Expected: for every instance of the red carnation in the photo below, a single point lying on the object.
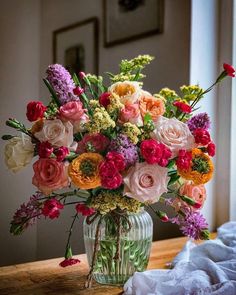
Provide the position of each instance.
(68, 262)
(154, 152)
(184, 159)
(45, 149)
(35, 110)
(61, 153)
(110, 177)
(84, 210)
(230, 71)
(211, 149)
(183, 107)
(51, 208)
(201, 136)
(117, 159)
(78, 91)
(104, 99)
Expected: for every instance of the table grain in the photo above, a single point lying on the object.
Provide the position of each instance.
(46, 277)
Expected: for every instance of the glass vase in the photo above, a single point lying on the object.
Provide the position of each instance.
(135, 241)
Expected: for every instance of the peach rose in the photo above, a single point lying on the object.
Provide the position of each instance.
(128, 91)
(130, 113)
(151, 105)
(146, 183)
(49, 175)
(56, 132)
(174, 134)
(196, 192)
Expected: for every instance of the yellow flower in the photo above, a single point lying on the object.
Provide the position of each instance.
(84, 171)
(101, 120)
(132, 131)
(201, 169)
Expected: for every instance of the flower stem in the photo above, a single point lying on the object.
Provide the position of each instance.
(69, 236)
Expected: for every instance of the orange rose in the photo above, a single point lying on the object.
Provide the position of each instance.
(151, 105)
(84, 171)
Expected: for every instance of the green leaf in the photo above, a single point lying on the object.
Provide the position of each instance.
(173, 178)
(76, 80)
(7, 137)
(147, 118)
(51, 90)
(171, 164)
(68, 252)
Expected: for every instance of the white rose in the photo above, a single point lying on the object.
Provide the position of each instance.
(19, 152)
(56, 132)
(174, 134)
(128, 92)
(146, 183)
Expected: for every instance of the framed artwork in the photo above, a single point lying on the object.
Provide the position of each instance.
(127, 20)
(76, 46)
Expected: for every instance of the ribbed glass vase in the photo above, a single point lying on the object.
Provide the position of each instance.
(134, 247)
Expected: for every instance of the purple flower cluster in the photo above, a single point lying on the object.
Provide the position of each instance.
(27, 214)
(193, 224)
(124, 146)
(201, 120)
(62, 83)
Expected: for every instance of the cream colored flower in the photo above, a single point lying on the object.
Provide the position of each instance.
(56, 132)
(174, 134)
(128, 92)
(19, 152)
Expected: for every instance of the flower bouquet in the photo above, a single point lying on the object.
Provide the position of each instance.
(110, 152)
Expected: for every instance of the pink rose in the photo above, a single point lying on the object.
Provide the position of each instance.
(49, 175)
(51, 208)
(131, 113)
(72, 111)
(93, 143)
(174, 134)
(56, 132)
(146, 183)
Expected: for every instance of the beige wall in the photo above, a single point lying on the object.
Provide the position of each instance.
(23, 49)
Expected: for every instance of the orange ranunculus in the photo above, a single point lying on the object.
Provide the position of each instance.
(196, 171)
(84, 171)
(152, 105)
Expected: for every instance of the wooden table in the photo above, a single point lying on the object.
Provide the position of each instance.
(46, 277)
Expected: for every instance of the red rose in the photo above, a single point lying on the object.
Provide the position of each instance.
(93, 143)
(110, 177)
(35, 110)
(61, 153)
(183, 107)
(117, 159)
(104, 99)
(184, 159)
(230, 71)
(211, 149)
(201, 136)
(84, 210)
(154, 152)
(51, 208)
(45, 149)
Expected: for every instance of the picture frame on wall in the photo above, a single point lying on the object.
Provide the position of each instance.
(76, 47)
(126, 20)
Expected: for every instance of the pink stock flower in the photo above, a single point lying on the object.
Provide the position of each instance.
(51, 208)
(49, 175)
(201, 136)
(61, 153)
(117, 159)
(45, 149)
(84, 210)
(184, 159)
(104, 99)
(69, 261)
(154, 152)
(230, 71)
(93, 143)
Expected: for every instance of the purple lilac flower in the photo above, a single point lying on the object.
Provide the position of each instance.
(193, 224)
(27, 214)
(62, 83)
(124, 146)
(201, 120)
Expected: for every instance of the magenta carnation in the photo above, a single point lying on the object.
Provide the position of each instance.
(52, 208)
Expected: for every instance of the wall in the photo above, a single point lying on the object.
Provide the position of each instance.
(19, 69)
(171, 67)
